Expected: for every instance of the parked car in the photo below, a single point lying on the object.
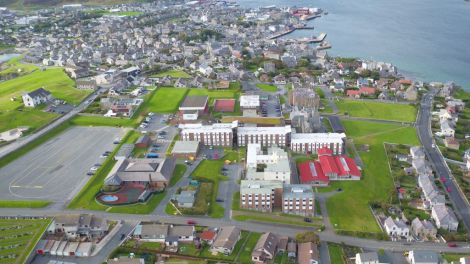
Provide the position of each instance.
(161, 137)
(191, 222)
(151, 114)
(97, 165)
(162, 133)
(451, 244)
(219, 200)
(90, 173)
(308, 220)
(93, 168)
(123, 236)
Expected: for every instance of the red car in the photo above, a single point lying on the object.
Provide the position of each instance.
(191, 222)
(449, 189)
(443, 179)
(451, 244)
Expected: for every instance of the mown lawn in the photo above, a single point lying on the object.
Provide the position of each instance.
(54, 80)
(23, 204)
(377, 110)
(267, 87)
(233, 94)
(349, 209)
(166, 99)
(84, 120)
(21, 235)
(14, 66)
(453, 257)
(173, 73)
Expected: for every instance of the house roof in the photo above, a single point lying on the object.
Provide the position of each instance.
(41, 92)
(307, 252)
(311, 171)
(227, 237)
(207, 235)
(268, 242)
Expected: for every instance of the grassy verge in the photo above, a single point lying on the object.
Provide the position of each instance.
(23, 204)
(244, 215)
(454, 257)
(180, 169)
(377, 110)
(245, 252)
(354, 215)
(140, 208)
(267, 87)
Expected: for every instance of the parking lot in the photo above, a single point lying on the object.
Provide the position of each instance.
(271, 107)
(165, 133)
(57, 169)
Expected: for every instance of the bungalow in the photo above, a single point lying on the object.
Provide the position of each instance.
(36, 97)
(226, 240)
(452, 143)
(208, 236)
(423, 257)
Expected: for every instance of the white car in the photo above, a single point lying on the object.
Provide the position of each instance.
(94, 168)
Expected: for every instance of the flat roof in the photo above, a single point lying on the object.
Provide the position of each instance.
(194, 102)
(185, 147)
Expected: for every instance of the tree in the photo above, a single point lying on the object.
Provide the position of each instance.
(307, 237)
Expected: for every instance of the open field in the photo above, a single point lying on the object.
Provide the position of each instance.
(21, 235)
(180, 169)
(214, 94)
(54, 80)
(53, 170)
(376, 110)
(166, 99)
(349, 209)
(33, 118)
(267, 87)
(15, 67)
(172, 73)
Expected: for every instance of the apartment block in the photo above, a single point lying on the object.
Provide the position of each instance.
(260, 195)
(312, 142)
(210, 135)
(266, 136)
(298, 199)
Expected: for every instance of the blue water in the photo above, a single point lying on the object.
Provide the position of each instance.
(427, 40)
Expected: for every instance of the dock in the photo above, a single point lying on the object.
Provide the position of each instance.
(290, 30)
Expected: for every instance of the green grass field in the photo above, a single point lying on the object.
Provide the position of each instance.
(166, 99)
(21, 235)
(23, 204)
(349, 210)
(247, 249)
(82, 120)
(172, 73)
(377, 110)
(54, 80)
(33, 118)
(14, 66)
(214, 94)
(267, 87)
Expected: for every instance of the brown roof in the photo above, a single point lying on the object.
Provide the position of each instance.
(194, 101)
(306, 252)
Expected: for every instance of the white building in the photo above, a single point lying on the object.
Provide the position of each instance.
(396, 228)
(423, 257)
(367, 258)
(249, 101)
(311, 142)
(220, 134)
(275, 164)
(266, 136)
(36, 97)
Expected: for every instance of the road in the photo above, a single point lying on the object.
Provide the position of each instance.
(423, 127)
(284, 230)
(27, 139)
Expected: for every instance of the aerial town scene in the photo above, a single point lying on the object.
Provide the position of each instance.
(234, 131)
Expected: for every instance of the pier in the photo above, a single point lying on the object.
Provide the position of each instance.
(292, 29)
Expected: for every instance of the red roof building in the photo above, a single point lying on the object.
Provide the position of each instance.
(207, 236)
(328, 168)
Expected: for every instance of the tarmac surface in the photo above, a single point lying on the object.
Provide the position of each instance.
(54, 170)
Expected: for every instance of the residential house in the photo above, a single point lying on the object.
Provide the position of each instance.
(444, 217)
(36, 97)
(226, 240)
(396, 228)
(74, 226)
(185, 199)
(423, 229)
(423, 257)
(266, 248)
(367, 258)
(308, 253)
